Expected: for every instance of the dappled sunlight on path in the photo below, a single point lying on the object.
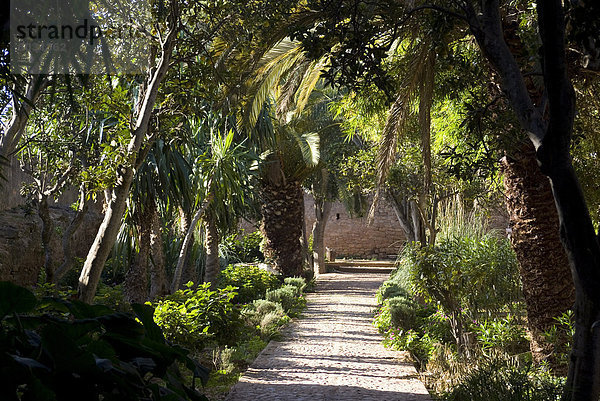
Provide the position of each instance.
(332, 352)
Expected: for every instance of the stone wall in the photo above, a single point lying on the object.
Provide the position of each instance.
(10, 191)
(21, 253)
(352, 237)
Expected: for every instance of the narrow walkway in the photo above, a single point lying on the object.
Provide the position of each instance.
(332, 352)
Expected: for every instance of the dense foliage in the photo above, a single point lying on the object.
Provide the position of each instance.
(51, 349)
(195, 317)
(251, 282)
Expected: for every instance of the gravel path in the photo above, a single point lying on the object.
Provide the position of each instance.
(332, 352)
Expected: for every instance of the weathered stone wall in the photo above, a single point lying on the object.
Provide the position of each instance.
(21, 253)
(352, 237)
(10, 188)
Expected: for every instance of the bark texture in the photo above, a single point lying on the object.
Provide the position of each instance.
(47, 230)
(211, 268)
(547, 283)
(187, 241)
(117, 200)
(136, 278)
(322, 210)
(283, 214)
(551, 136)
(158, 277)
(67, 240)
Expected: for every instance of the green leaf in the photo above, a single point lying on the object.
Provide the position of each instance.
(15, 299)
(146, 315)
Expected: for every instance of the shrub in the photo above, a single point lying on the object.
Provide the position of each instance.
(505, 334)
(267, 316)
(87, 352)
(229, 359)
(285, 295)
(502, 379)
(409, 326)
(270, 324)
(195, 317)
(252, 282)
(465, 276)
(298, 282)
(244, 248)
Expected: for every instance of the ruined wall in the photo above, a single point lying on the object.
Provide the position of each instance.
(353, 237)
(10, 188)
(21, 253)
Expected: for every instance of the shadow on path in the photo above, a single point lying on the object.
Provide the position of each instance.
(332, 352)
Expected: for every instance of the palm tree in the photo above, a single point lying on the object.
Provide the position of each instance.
(222, 177)
(279, 93)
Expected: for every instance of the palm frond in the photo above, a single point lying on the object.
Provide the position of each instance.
(308, 83)
(309, 146)
(267, 78)
(290, 87)
(420, 71)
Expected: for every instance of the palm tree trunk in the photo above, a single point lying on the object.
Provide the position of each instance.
(545, 272)
(211, 269)
(282, 214)
(158, 277)
(136, 278)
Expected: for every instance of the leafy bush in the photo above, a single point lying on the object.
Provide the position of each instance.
(467, 277)
(261, 307)
(229, 359)
(298, 282)
(502, 379)
(408, 326)
(88, 352)
(560, 336)
(286, 296)
(244, 248)
(252, 282)
(504, 334)
(194, 318)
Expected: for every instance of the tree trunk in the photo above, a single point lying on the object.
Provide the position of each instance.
(20, 114)
(308, 257)
(187, 240)
(282, 214)
(136, 278)
(402, 210)
(109, 229)
(212, 267)
(68, 259)
(550, 131)
(322, 210)
(47, 230)
(545, 272)
(158, 277)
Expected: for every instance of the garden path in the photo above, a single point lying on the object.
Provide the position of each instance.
(332, 352)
